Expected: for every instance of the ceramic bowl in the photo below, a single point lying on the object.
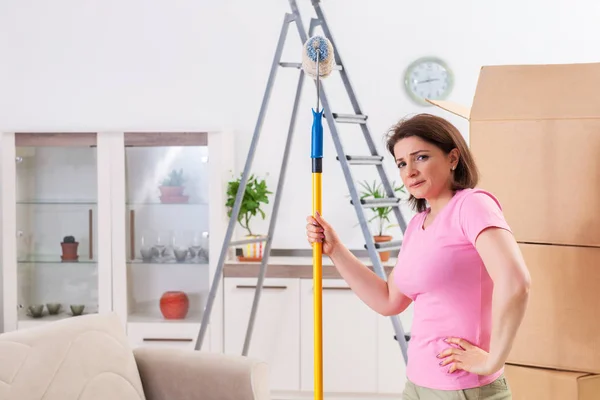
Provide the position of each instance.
(35, 311)
(53, 308)
(77, 309)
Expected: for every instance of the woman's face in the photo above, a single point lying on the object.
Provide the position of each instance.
(424, 168)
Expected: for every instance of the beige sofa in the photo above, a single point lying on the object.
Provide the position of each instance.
(89, 358)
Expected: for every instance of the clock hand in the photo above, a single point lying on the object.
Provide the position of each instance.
(428, 80)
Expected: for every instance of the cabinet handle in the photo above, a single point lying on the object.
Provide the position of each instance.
(91, 234)
(132, 233)
(167, 340)
(264, 287)
(335, 288)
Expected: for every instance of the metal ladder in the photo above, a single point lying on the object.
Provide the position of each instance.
(373, 158)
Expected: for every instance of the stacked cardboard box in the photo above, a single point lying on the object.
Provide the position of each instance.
(535, 135)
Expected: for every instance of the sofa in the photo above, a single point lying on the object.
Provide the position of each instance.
(89, 358)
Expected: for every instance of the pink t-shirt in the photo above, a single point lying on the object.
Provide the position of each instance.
(440, 269)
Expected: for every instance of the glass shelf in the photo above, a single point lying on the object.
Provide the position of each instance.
(54, 260)
(50, 318)
(194, 317)
(154, 204)
(168, 263)
(44, 318)
(57, 202)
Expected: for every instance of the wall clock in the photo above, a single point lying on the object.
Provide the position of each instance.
(428, 77)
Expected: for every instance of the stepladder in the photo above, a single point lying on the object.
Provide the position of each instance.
(371, 157)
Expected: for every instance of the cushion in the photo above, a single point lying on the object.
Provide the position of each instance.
(78, 358)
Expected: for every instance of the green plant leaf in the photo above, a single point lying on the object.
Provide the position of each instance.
(255, 195)
(376, 191)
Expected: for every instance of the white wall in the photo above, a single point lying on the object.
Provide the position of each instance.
(194, 64)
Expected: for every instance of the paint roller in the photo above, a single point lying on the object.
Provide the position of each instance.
(317, 62)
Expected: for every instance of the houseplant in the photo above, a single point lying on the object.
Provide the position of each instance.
(69, 249)
(171, 188)
(381, 217)
(255, 195)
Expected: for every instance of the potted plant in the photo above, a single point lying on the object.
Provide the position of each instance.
(255, 195)
(381, 216)
(171, 188)
(69, 249)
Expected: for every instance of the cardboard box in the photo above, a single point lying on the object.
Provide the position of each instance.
(535, 134)
(543, 384)
(561, 328)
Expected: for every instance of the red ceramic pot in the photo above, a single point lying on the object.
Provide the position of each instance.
(171, 191)
(174, 305)
(69, 251)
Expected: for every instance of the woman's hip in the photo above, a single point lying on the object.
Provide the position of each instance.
(496, 390)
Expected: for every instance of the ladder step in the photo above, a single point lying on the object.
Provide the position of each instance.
(363, 160)
(393, 245)
(247, 241)
(396, 244)
(298, 65)
(383, 202)
(350, 118)
(406, 337)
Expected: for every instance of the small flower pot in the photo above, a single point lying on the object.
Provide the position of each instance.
(171, 191)
(384, 255)
(173, 194)
(69, 251)
(253, 251)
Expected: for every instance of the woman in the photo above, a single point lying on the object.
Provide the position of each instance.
(459, 264)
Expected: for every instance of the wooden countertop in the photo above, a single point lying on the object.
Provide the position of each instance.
(291, 267)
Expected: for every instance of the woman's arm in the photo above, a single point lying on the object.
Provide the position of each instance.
(383, 297)
(375, 292)
(505, 264)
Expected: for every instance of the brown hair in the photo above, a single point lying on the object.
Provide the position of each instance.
(445, 136)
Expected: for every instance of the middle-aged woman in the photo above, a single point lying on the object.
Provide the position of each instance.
(459, 263)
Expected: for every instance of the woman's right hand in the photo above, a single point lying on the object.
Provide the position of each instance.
(319, 230)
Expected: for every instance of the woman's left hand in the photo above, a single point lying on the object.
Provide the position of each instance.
(468, 357)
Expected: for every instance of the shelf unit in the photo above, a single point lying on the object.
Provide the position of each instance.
(136, 239)
(51, 189)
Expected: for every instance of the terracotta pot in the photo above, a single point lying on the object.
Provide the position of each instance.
(69, 251)
(171, 191)
(172, 194)
(384, 255)
(174, 305)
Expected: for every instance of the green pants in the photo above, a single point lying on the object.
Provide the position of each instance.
(496, 390)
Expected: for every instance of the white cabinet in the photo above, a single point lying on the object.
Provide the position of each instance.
(350, 340)
(55, 213)
(168, 193)
(144, 214)
(361, 359)
(175, 335)
(276, 332)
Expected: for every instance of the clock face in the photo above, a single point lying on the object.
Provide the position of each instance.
(428, 78)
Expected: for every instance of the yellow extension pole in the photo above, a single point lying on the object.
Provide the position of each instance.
(316, 154)
(317, 294)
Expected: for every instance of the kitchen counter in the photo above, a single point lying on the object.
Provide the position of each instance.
(291, 267)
